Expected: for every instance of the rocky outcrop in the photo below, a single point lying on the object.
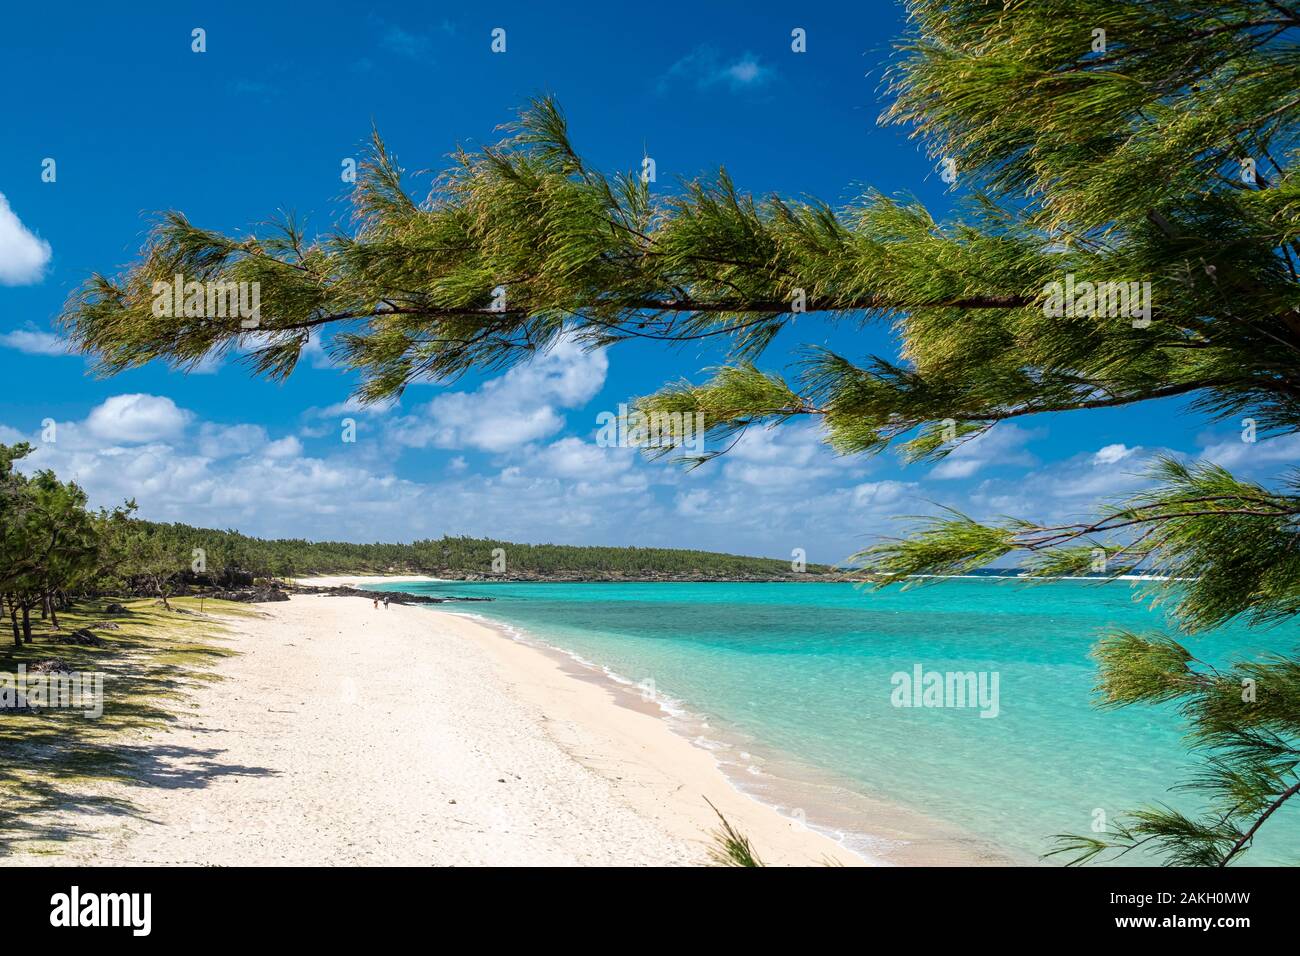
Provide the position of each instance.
(394, 597)
(263, 595)
(81, 636)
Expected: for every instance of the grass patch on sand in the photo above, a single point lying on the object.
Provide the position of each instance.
(52, 760)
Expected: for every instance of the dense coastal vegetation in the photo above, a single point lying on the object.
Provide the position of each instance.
(462, 557)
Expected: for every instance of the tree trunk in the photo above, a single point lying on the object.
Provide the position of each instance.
(13, 620)
(54, 615)
(162, 596)
(27, 623)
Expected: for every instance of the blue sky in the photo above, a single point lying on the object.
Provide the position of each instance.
(137, 123)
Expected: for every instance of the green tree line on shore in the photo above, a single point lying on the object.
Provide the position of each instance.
(50, 543)
(453, 556)
(53, 547)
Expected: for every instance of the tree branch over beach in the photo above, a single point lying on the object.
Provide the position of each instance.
(1128, 232)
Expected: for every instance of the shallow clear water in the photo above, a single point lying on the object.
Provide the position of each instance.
(806, 669)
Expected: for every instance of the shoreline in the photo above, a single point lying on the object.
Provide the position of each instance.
(806, 798)
(610, 727)
(873, 831)
(363, 580)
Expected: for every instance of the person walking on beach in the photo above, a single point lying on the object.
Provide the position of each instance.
(376, 604)
(385, 603)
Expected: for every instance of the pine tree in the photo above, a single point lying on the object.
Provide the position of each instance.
(1099, 144)
(49, 542)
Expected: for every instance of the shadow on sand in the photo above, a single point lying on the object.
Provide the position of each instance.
(54, 763)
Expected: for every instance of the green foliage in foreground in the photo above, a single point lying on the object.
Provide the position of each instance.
(1243, 717)
(730, 846)
(1095, 141)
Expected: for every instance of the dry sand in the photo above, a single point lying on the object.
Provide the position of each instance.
(361, 580)
(342, 734)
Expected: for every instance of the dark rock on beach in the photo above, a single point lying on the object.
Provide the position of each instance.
(394, 597)
(81, 636)
(263, 595)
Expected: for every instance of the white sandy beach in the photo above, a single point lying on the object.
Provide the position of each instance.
(341, 734)
(361, 580)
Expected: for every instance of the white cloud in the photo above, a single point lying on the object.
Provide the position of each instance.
(521, 406)
(777, 490)
(1000, 445)
(315, 352)
(775, 460)
(693, 503)
(1067, 489)
(34, 342)
(569, 490)
(210, 364)
(23, 255)
(707, 69)
(286, 447)
(1108, 472)
(574, 458)
(351, 406)
(744, 71)
(225, 441)
(875, 494)
(234, 441)
(1237, 455)
(137, 418)
(1112, 453)
(464, 420)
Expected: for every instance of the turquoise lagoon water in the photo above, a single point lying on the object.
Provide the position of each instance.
(805, 670)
